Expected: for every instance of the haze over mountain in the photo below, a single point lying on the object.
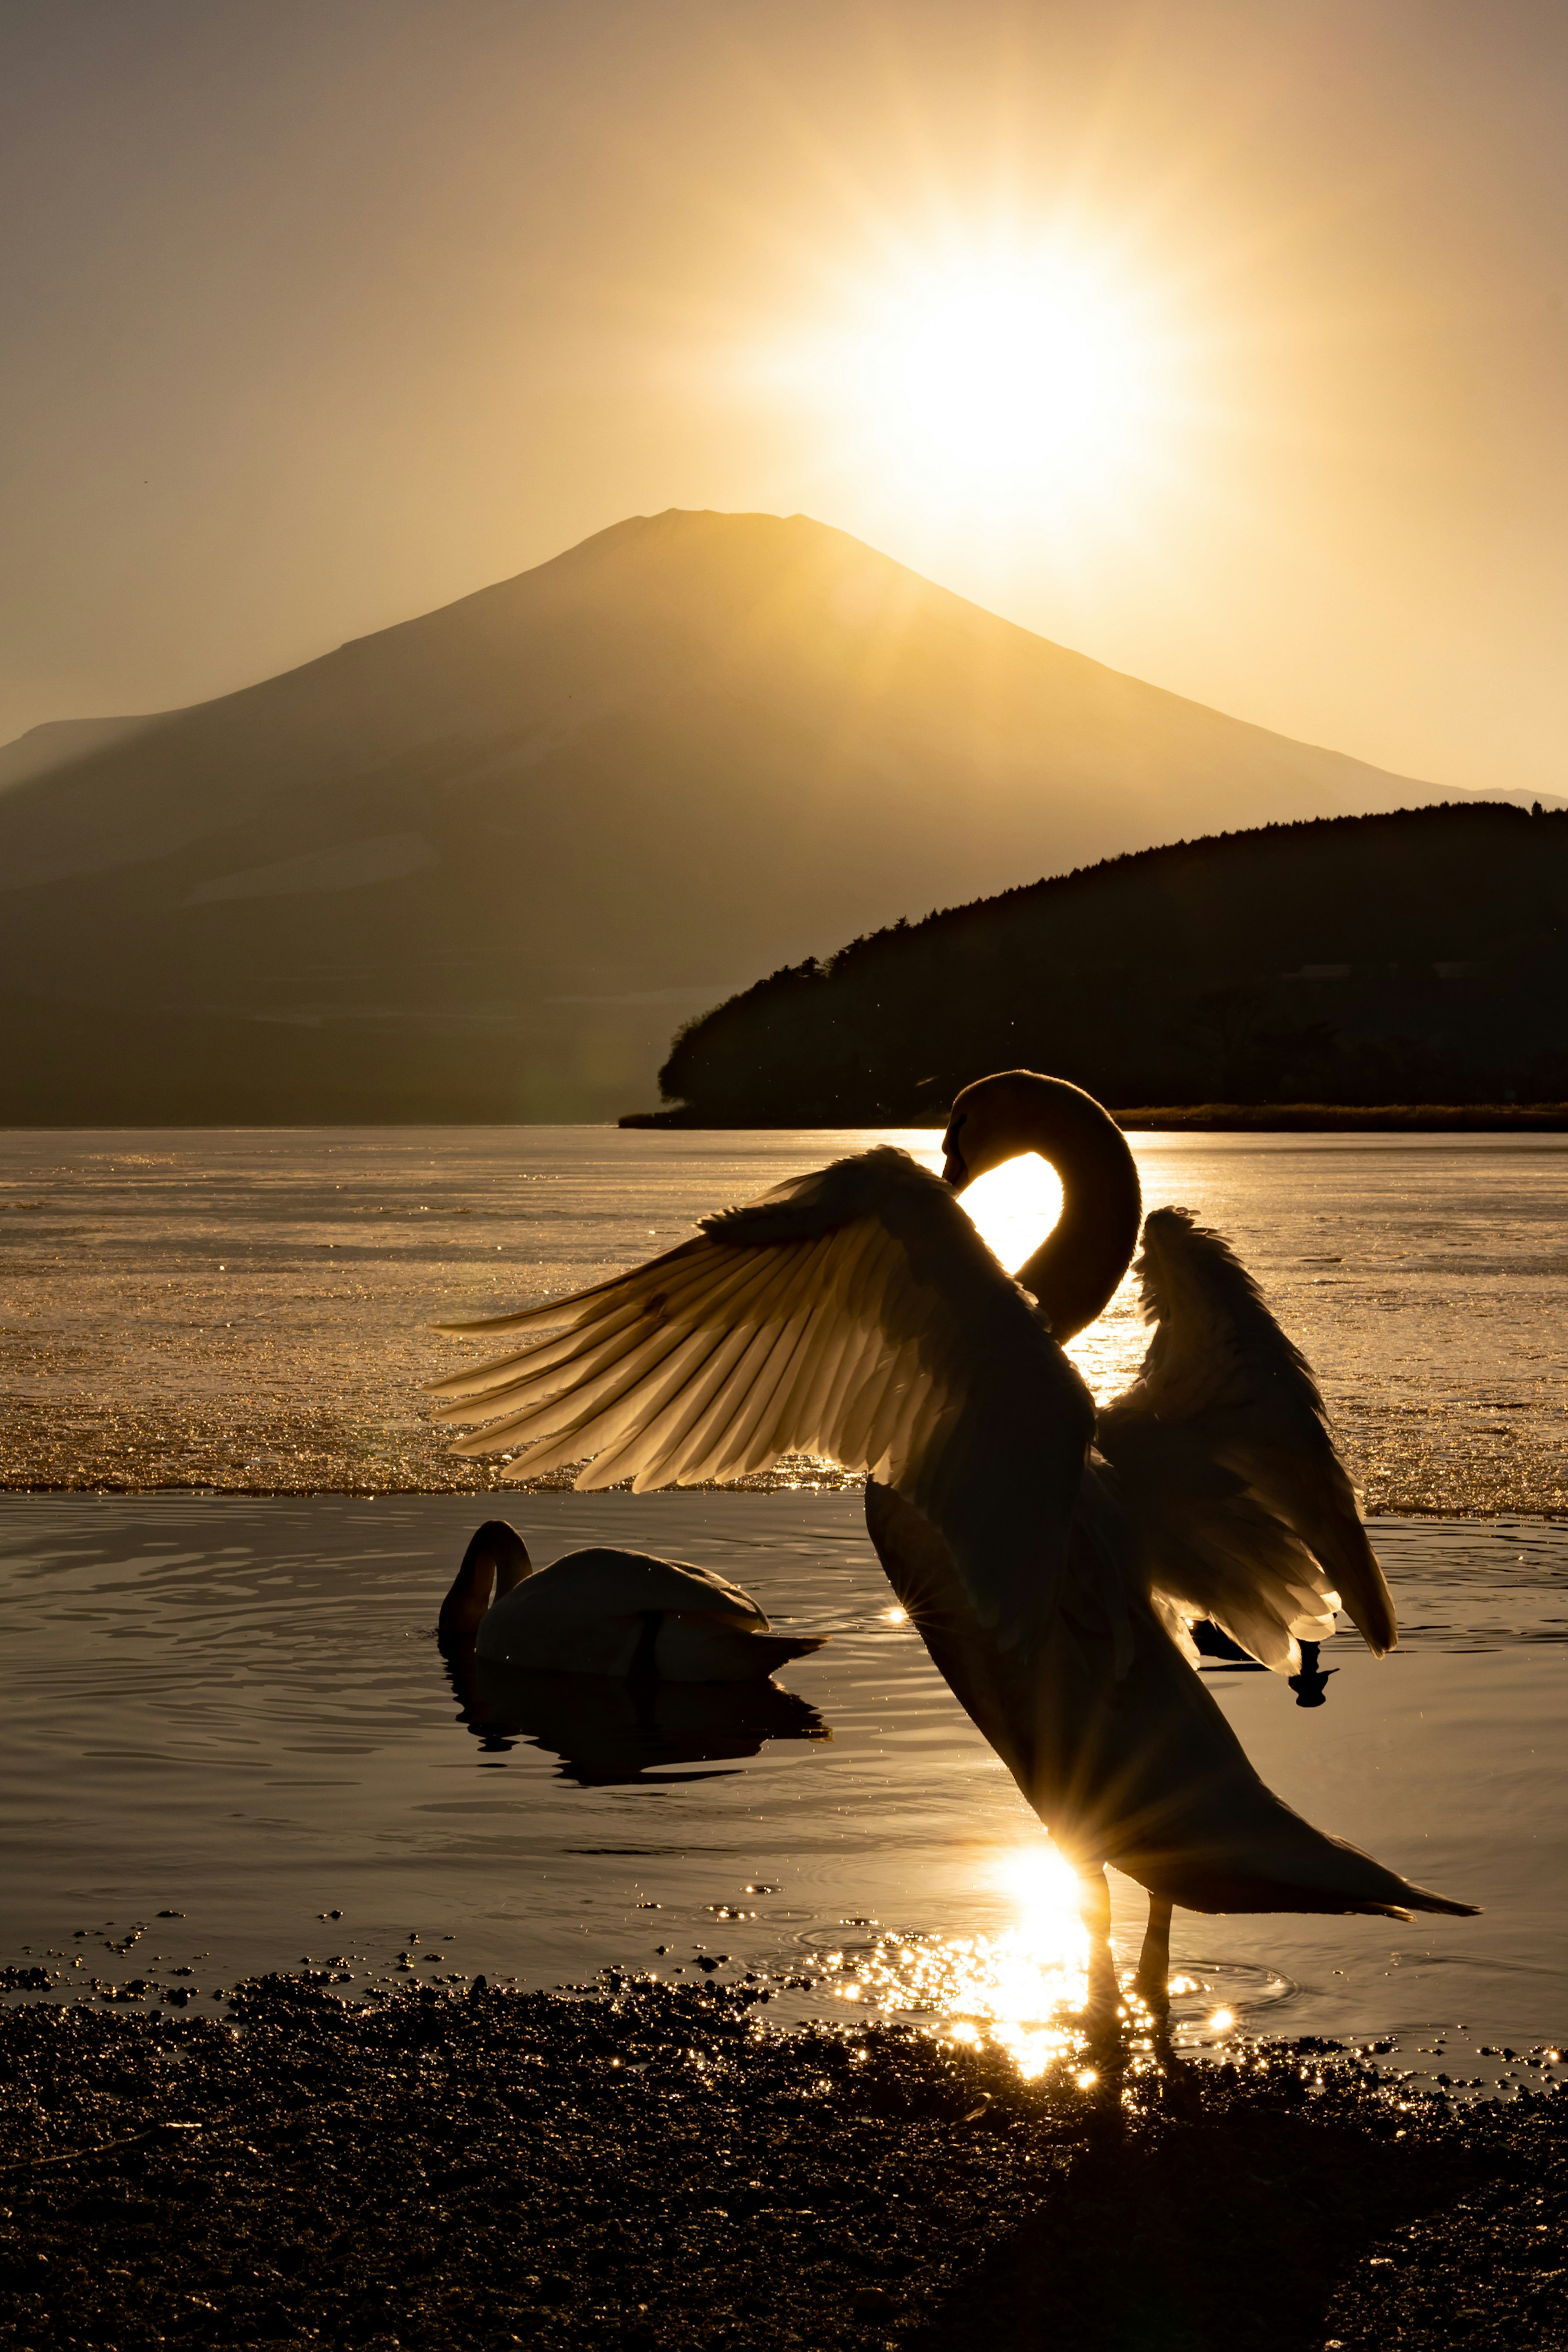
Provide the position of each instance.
(482, 864)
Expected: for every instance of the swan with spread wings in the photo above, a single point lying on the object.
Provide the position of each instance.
(1049, 1557)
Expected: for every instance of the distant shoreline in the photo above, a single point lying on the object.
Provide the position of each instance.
(1252, 1118)
(1220, 1118)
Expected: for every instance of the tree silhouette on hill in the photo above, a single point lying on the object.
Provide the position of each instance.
(1421, 956)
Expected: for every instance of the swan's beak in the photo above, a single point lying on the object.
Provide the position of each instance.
(954, 1171)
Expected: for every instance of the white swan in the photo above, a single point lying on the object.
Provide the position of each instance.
(855, 1312)
(608, 1612)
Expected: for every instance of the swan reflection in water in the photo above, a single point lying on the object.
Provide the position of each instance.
(1310, 1682)
(611, 1730)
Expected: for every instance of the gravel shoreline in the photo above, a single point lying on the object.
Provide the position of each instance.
(655, 2167)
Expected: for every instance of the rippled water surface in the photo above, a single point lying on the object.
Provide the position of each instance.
(232, 1709)
(225, 1717)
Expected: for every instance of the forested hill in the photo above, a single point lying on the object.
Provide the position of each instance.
(1418, 957)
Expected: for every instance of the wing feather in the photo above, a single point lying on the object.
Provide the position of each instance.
(596, 1316)
(808, 1407)
(754, 1441)
(715, 1448)
(854, 1312)
(671, 1444)
(1223, 1451)
(711, 1435)
(691, 1403)
(830, 1342)
(677, 1269)
(602, 1375)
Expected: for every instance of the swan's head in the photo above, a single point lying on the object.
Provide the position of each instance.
(1017, 1110)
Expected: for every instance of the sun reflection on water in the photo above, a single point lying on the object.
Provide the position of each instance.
(1025, 1988)
(1013, 1207)
(1021, 1990)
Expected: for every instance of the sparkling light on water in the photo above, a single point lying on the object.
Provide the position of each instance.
(1014, 1207)
(1021, 1990)
(1025, 1988)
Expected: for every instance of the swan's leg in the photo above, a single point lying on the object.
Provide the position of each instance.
(1094, 1910)
(1154, 1960)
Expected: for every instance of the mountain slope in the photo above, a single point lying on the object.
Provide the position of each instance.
(1417, 957)
(59, 743)
(486, 861)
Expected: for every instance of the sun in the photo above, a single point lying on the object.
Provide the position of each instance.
(1029, 373)
(1017, 367)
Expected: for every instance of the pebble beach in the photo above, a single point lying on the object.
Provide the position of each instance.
(635, 2165)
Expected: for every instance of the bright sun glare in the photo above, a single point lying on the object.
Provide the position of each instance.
(1013, 1208)
(1020, 1989)
(1012, 367)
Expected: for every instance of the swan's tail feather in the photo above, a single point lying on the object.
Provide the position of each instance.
(1421, 1898)
(1168, 1797)
(1210, 1881)
(693, 1647)
(782, 1647)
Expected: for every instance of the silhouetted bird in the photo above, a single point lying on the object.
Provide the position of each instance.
(855, 1312)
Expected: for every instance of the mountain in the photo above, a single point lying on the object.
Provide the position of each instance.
(1420, 957)
(480, 865)
(58, 743)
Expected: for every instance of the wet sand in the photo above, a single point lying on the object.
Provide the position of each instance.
(656, 2168)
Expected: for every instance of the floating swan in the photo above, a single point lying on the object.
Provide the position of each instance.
(1049, 1558)
(610, 1612)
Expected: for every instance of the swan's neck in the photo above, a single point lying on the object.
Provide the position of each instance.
(497, 1559)
(1078, 1265)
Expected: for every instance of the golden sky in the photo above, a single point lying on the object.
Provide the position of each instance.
(1225, 340)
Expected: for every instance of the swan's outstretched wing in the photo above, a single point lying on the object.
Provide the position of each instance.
(854, 1312)
(1223, 1453)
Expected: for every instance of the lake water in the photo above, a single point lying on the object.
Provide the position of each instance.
(251, 1309)
(230, 1706)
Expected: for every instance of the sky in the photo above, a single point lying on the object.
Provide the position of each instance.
(1224, 341)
